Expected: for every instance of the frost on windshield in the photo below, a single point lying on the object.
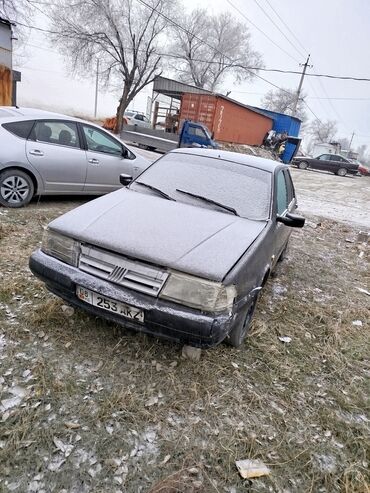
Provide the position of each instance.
(244, 188)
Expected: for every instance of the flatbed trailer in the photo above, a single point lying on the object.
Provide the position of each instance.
(192, 134)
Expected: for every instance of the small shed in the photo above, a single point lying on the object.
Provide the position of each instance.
(6, 81)
(285, 123)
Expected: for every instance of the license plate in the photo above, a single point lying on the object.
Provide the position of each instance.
(110, 305)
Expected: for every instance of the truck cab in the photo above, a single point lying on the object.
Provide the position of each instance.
(195, 134)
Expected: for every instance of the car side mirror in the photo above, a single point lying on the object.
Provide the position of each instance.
(124, 153)
(292, 220)
(125, 179)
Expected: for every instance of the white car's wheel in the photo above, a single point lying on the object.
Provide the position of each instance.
(16, 188)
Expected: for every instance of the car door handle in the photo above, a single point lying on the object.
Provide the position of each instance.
(94, 161)
(36, 152)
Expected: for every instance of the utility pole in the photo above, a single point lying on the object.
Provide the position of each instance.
(304, 65)
(350, 143)
(96, 88)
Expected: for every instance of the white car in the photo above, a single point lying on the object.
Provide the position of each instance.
(136, 118)
(44, 153)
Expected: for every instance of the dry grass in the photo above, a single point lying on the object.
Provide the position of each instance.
(146, 420)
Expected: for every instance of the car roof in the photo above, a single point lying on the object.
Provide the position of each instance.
(9, 113)
(236, 157)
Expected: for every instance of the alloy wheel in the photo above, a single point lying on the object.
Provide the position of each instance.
(14, 189)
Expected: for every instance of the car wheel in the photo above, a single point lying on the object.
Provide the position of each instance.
(16, 188)
(303, 165)
(238, 333)
(342, 172)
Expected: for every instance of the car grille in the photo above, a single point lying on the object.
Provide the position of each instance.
(121, 270)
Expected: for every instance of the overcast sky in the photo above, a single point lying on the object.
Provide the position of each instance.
(335, 32)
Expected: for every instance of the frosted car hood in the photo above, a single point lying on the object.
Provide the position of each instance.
(190, 239)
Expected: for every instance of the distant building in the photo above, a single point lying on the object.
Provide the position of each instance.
(8, 77)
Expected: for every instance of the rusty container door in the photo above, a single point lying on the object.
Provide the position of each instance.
(198, 108)
(5, 86)
(238, 124)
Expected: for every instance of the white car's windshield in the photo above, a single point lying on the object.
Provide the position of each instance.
(241, 188)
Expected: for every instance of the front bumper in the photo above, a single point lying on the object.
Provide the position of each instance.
(162, 318)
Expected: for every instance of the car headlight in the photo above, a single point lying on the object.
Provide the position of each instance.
(198, 293)
(61, 247)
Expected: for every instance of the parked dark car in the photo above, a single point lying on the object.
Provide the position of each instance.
(182, 252)
(334, 163)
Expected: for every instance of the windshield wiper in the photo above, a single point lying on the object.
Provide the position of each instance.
(157, 190)
(210, 201)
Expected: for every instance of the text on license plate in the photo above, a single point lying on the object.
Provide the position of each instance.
(108, 304)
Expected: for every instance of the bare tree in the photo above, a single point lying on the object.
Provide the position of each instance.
(323, 131)
(211, 47)
(20, 11)
(344, 142)
(282, 101)
(123, 35)
(362, 149)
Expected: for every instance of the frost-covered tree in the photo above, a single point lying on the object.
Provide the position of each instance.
(209, 47)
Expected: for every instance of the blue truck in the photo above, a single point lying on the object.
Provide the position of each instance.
(192, 134)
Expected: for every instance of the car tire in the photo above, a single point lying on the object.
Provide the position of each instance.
(238, 333)
(16, 188)
(341, 172)
(303, 165)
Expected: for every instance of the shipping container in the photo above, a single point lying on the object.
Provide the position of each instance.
(228, 120)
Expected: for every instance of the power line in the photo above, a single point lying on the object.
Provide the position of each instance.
(278, 28)
(287, 27)
(261, 31)
(245, 67)
(311, 110)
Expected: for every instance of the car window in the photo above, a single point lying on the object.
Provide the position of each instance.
(99, 141)
(20, 129)
(56, 132)
(289, 182)
(244, 188)
(281, 193)
(145, 119)
(199, 132)
(139, 117)
(324, 157)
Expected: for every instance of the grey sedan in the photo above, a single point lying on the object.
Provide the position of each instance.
(199, 233)
(43, 153)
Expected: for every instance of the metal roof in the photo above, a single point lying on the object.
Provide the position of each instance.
(175, 89)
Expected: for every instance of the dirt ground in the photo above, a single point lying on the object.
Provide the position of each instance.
(86, 406)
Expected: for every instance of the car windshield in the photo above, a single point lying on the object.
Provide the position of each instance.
(243, 188)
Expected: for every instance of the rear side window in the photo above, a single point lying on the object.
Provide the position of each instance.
(282, 193)
(20, 129)
(57, 132)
